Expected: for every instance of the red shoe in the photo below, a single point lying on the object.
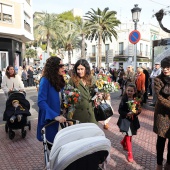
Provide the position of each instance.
(130, 157)
(123, 143)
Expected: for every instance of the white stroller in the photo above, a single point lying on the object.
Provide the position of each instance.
(80, 146)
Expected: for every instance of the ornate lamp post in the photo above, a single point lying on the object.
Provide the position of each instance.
(135, 17)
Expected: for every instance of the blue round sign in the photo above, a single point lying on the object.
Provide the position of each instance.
(134, 37)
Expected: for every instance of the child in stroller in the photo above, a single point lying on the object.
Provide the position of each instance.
(16, 112)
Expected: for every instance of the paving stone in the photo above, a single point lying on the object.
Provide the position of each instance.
(27, 154)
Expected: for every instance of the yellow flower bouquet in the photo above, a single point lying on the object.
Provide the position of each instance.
(135, 105)
(105, 85)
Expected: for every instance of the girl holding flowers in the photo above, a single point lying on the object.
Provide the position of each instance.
(128, 122)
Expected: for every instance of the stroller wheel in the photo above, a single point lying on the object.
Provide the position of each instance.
(6, 128)
(29, 125)
(24, 133)
(11, 134)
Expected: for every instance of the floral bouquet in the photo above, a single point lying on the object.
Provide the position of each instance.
(71, 98)
(105, 85)
(134, 105)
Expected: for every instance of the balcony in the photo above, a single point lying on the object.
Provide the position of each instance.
(143, 53)
(27, 26)
(117, 53)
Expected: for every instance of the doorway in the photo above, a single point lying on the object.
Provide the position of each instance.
(4, 62)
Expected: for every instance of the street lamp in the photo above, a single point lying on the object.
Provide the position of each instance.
(135, 17)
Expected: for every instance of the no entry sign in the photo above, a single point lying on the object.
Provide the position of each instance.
(134, 37)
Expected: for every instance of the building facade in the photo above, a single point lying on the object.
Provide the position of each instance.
(16, 28)
(121, 52)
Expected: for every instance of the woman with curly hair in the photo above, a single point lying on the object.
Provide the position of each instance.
(162, 113)
(49, 100)
(83, 80)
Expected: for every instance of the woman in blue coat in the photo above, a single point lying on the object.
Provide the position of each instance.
(49, 100)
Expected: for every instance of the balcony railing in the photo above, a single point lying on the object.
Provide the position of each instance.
(119, 52)
(27, 26)
(95, 54)
(143, 53)
(139, 53)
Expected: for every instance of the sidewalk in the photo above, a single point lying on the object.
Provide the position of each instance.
(27, 154)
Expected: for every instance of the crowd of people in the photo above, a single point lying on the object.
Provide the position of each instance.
(133, 85)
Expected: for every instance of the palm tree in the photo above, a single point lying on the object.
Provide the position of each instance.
(102, 25)
(70, 41)
(44, 27)
(30, 53)
(82, 30)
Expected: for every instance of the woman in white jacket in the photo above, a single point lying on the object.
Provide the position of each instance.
(11, 81)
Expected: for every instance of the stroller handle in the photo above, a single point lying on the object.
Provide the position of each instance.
(63, 125)
(17, 91)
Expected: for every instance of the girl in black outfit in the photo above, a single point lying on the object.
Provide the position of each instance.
(128, 121)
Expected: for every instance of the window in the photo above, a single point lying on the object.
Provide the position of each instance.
(26, 22)
(146, 50)
(141, 48)
(106, 47)
(6, 12)
(93, 50)
(26, 18)
(121, 48)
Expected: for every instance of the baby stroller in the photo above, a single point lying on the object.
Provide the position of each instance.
(80, 146)
(16, 107)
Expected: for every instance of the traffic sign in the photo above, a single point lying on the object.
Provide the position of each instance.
(134, 37)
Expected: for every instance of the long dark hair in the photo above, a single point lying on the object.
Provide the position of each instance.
(51, 70)
(87, 77)
(7, 72)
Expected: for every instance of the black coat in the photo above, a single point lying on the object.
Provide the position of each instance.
(123, 122)
(146, 78)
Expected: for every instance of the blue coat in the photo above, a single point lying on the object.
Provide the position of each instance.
(49, 108)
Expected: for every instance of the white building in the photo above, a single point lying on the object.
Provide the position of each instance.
(121, 51)
(16, 28)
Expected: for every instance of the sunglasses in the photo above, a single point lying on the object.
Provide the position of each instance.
(61, 65)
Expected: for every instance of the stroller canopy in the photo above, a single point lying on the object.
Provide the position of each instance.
(75, 142)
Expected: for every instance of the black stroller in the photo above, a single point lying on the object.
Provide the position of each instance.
(80, 146)
(22, 109)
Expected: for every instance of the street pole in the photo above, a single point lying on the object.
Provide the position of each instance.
(135, 17)
(135, 51)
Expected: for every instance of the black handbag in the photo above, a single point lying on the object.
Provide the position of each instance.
(103, 111)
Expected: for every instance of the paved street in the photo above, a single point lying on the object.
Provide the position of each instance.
(27, 154)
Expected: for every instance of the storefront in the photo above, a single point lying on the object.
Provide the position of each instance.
(10, 53)
(160, 50)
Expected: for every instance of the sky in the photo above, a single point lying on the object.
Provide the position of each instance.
(122, 7)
